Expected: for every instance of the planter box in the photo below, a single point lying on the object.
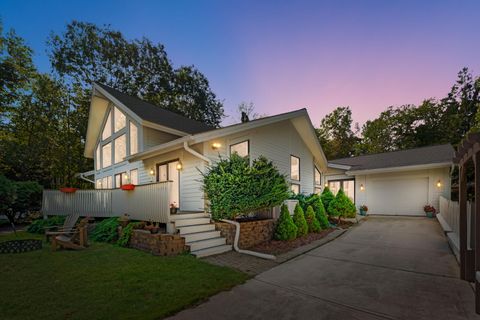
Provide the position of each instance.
(251, 232)
(128, 187)
(68, 190)
(158, 244)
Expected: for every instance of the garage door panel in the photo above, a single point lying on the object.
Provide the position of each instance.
(398, 196)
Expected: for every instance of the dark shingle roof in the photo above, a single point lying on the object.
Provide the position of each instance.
(411, 157)
(156, 114)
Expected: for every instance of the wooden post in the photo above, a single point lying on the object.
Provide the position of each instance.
(476, 229)
(462, 197)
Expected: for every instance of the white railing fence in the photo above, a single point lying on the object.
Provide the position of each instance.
(150, 202)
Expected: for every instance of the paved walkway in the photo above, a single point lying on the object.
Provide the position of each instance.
(385, 268)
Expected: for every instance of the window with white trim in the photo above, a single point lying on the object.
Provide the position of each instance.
(120, 148)
(107, 155)
(317, 181)
(133, 138)
(107, 129)
(295, 188)
(241, 148)
(295, 168)
(98, 185)
(134, 176)
(120, 120)
(97, 158)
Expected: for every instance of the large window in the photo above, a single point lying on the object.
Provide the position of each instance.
(107, 155)
(120, 179)
(134, 176)
(107, 129)
(120, 148)
(295, 188)
(133, 138)
(97, 158)
(120, 119)
(241, 148)
(294, 168)
(317, 181)
(348, 187)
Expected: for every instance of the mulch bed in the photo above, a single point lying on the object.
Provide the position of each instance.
(276, 247)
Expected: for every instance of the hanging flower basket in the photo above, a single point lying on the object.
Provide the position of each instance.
(68, 190)
(128, 187)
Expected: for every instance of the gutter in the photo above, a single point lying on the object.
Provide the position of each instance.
(82, 176)
(195, 153)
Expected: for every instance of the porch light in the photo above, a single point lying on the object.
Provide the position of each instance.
(152, 172)
(179, 166)
(125, 176)
(326, 184)
(216, 145)
(362, 187)
(439, 184)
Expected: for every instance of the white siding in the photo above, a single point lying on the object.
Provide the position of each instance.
(152, 137)
(276, 142)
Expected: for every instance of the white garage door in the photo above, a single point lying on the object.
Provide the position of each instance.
(398, 196)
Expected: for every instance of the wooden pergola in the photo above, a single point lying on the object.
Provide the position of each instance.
(469, 151)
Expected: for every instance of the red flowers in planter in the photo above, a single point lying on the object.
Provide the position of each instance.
(429, 208)
(128, 187)
(68, 189)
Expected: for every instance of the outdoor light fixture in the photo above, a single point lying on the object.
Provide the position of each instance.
(439, 184)
(125, 176)
(216, 146)
(179, 166)
(152, 172)
(326, 184)
(362, 187)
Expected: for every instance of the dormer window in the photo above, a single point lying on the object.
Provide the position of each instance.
(107, 129)
(119, 119)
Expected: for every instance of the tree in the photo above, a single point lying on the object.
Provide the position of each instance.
(312, 222)
(285, 228)
(86, 53)
(300, 222)
(335, 133)
(8, 196)
(327, 196)
(248, 110)
(342, 206)
(321, 215)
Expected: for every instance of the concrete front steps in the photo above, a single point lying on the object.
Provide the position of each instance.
(200, 234)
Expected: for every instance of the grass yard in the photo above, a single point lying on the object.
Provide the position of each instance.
(104, 282)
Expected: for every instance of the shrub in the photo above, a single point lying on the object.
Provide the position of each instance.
(285, 229)
(327, 196)
(235, 188)
(300, 222)
(312, 222)
(124, 239)
(106, 231)
(39, 225)
(321, 215)
(342, 206)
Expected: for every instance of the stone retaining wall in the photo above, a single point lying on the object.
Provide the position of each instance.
(158, 244)
(251, 232)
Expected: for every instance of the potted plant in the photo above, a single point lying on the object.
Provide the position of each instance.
(430, 211)
(173, 208)
(68, 190)
(124, 220)
(363, 210)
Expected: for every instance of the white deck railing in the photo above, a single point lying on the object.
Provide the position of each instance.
(146, 202)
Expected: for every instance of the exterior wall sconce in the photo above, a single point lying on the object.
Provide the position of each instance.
(179, 166)
(216, 146)
(362, 188)
(439, 184)
(152, 172)
(125, 176)
(326, 184)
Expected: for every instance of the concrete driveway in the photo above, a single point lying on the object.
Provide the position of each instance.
(385, 268)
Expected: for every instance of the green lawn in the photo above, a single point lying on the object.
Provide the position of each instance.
(104, 282)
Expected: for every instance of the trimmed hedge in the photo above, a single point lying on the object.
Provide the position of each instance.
(321, 215)
(39, 225)
(342, 206)
(285, 229)
(327, 196)
(300, 222)
(312, 222)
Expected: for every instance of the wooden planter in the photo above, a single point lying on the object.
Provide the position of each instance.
(68, 190)
(128, 187)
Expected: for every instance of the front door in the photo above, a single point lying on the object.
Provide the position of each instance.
(168, 172)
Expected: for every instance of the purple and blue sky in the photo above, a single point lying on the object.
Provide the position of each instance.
(285, 55)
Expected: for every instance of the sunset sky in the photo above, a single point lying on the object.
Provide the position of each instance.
(286, 55)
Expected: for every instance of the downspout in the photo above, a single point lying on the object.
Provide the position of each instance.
(195, 153)
(81, 176)
(235, 243)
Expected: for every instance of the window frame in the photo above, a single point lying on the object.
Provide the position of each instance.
(299, 174)
(298, 185)
(237, 143)
(115, 149)
(136, 171)
(341, 186)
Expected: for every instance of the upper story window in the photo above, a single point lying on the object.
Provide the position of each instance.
(120, 121)
(97, 158)
(317, 181)
(241, 148)
(107, 155)
(294, 168)
(133, 138)
(107, 129)
(120, 148)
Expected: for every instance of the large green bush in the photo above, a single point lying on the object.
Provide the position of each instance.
(342, 206)
(327, 196)
(312, 222)
(321, 215)
(285, 228)
(300, 222)
(106, 231)
(39, 225)
(235, 188)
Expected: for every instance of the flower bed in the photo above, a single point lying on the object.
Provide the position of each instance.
(276, 247)
(18, 246)
(252, 232)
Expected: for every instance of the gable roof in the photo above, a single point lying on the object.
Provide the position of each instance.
(438, 154)
(150, 112)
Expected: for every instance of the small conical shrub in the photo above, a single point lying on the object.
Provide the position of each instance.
(327, 196)
(300, 222)
(312, 222)
(285, 229)
(342, 206)
(321, 215)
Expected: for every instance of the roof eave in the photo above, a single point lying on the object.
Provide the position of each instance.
(400, 168)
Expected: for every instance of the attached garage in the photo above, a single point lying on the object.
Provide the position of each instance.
(397, 183)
